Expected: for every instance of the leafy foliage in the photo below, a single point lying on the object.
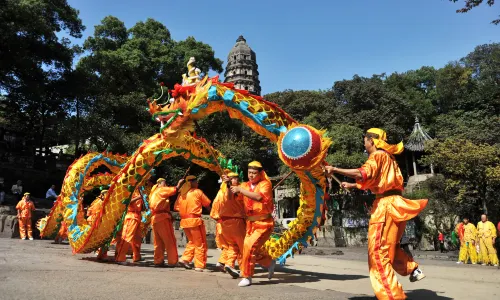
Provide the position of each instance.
(470, 170)
(470, 4)
(34, 65)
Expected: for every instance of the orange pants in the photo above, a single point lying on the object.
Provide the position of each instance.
(196, 247)
(25, 226)
(164, 239)
(102, 253)
(131, 237)
(233, 233)
(257, 233)
(62, 234)
(386, 256)
(220, 242)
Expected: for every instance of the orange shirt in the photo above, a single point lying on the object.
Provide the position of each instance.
(380, 174)
(25, 207)
(159, 203)
(134, 208)
(228, 207)
(214, 213)
(94, 209)
(263, 207)
(189, 207)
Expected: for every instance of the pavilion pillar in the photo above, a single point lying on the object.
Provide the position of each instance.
(414, 164)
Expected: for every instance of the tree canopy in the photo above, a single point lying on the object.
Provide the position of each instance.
(470, 4)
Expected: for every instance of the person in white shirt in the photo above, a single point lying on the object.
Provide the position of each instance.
(17, 190)
(51, 193)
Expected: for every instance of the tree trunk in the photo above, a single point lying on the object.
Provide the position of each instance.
(42, 131)
(77, 138)
(485, 208)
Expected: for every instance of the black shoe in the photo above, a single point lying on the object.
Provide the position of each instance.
(185, 265)
(233, 272)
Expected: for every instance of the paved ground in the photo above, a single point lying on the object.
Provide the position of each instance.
(42, 270)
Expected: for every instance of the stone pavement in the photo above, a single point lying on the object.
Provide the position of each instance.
(42, 270)
(361, 253)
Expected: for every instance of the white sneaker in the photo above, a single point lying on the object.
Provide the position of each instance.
(24, 239)
(484, 264)
(459, 262)
(417, 275)
(495, 265)
(271, 269)
(245, 282)
(474, 263)
(198, 269)
(31, 239)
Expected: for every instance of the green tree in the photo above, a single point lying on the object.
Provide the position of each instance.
(470, 4)
(30, 48)
(347, 146)
(121, 69)
(312, 107)
(34, 65)
(470, 170)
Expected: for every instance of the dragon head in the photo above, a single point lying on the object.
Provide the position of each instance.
(176, 115)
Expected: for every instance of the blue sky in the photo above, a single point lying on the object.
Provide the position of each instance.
(311, 44)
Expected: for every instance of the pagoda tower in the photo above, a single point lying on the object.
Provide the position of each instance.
(242, 67)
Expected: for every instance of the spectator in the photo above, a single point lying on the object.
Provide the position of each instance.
(441, 242)
(17, 190)
(25, 207)
(2, 194)
(51, 193)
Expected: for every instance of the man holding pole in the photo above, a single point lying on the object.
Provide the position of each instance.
(231, 214)
(161, 220)
(257, 196)
(382, 176)
(131, 232)
(189, 205)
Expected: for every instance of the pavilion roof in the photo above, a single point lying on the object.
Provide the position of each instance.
(417, 138)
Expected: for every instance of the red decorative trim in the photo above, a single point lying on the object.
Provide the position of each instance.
(378, 262)
(179, 89)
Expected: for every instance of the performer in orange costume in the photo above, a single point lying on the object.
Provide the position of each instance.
(95, 207)
(189, 205)
(219, 241)
(62, 234)
(232, 224)
(161, 220)
(131, 231)
(92, 214)
(257, 196)
(382, 176)
(24, 209)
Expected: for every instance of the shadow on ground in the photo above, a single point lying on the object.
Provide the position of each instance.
(299, 276)
(412, 295)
